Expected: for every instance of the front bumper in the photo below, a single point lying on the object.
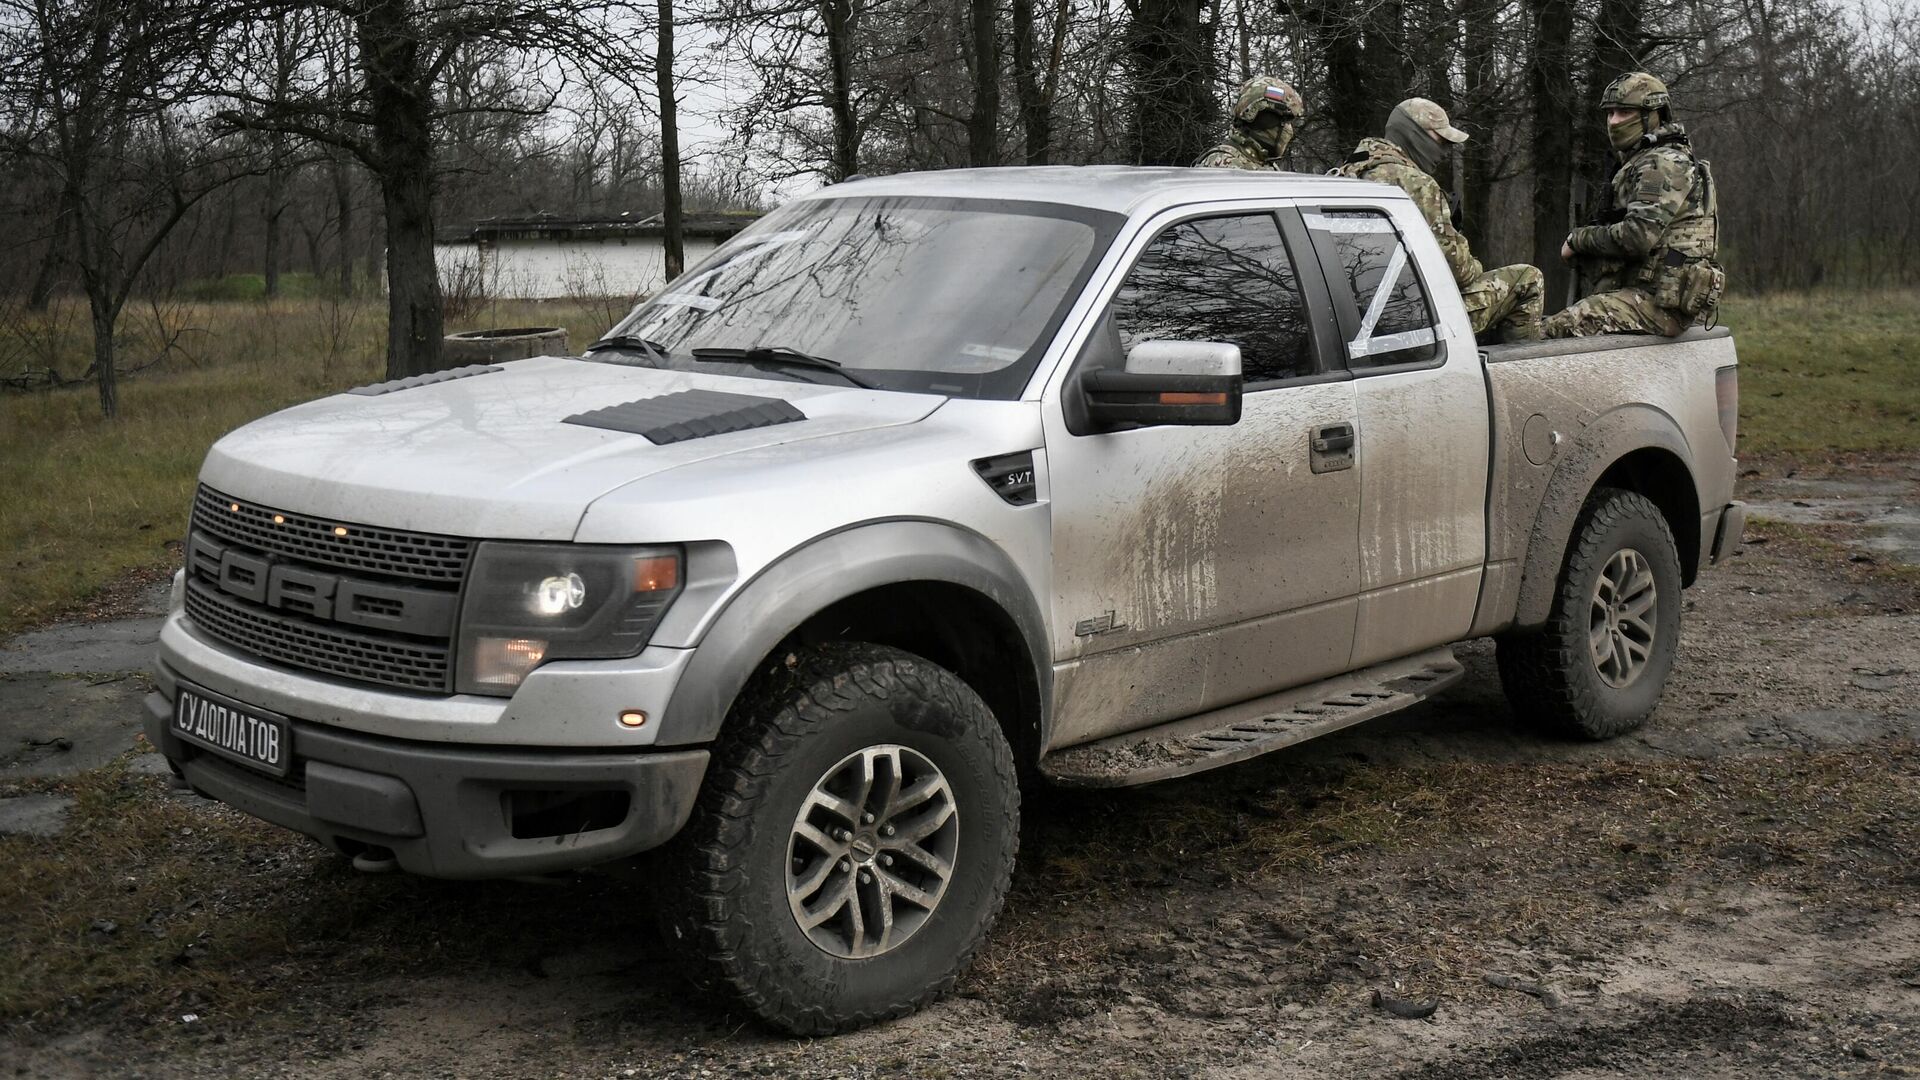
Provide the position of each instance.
(453, 811)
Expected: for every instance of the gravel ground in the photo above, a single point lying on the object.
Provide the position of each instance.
(1731, 892)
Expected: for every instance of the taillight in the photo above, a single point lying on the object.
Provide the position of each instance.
(1726, 390)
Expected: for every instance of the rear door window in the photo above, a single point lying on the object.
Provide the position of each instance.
(1227, 279)
(1385, 317)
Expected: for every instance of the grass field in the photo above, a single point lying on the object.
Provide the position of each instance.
(1828, 372)
(88, 500)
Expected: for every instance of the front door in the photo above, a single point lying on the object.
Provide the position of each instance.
(1199, 566)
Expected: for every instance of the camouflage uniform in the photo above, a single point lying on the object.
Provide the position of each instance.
(1242, 148)
(1653, 255)
(1508, 298)
(1239, 151)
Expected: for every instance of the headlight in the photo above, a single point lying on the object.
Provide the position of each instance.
(530, 603)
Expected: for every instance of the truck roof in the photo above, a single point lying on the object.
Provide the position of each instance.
(1119, 188)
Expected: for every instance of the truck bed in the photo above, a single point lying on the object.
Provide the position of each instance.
(1565, 410)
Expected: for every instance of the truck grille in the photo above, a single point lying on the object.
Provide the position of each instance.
(415, 556)
(366, 604)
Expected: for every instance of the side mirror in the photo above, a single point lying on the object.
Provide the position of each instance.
(1166, 383)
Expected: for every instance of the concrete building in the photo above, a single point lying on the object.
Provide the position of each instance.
(551, 258)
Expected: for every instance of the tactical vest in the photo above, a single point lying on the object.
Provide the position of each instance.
(1682, 271)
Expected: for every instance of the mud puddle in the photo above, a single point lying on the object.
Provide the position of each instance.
(1883, 508)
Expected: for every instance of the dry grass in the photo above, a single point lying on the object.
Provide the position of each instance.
(89, 500)
(1828, 372)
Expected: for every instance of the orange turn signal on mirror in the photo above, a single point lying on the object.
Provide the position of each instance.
(657, 574)
(1184, 397)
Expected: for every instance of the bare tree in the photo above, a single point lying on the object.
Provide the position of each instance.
(389, 115)
(104, 96)
(674, 251)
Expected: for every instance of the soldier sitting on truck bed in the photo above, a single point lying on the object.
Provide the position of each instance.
(1508, 298)
(1653, 253)
(1265, 113)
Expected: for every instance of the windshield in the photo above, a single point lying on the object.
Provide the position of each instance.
(947, 296)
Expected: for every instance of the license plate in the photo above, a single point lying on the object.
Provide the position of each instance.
(248, 735)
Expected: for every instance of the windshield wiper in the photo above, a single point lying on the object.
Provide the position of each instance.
(628, 341)
(781, 356)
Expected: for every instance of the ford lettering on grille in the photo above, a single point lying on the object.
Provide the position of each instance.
(290, 587)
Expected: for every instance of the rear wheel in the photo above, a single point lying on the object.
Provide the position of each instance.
(1598, 666)
(853, 843)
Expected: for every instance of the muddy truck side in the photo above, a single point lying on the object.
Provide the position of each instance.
(922, 489)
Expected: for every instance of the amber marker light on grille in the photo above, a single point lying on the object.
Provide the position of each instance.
(657, 574)
(633, 718)
(279, 519)
(339, 530)
(235, 507)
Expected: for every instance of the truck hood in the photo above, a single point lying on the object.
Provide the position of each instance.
(489, 456)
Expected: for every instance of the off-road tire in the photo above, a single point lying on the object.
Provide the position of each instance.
(726, 901)
(1549, 674)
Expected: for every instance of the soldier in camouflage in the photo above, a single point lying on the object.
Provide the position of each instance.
(1265, 113)
(1508, 299)
(1653, 254)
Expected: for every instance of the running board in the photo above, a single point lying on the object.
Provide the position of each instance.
(1252, 728)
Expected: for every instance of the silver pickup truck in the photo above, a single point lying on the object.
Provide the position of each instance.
(922, 489)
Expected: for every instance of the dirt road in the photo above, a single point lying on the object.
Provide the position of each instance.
(1732, 892)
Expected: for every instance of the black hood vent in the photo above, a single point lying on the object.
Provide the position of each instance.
(428, 379)
(690, 414)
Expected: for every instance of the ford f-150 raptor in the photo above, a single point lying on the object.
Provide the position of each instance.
(922, 488)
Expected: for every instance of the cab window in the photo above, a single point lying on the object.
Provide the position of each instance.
(1227, 279)
(1387, 320)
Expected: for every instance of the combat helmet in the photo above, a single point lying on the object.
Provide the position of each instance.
(1263, 93)
(1259, 97)
(1638, 90)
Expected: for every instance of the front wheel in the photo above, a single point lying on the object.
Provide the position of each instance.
(854, 840)
(1598, 666)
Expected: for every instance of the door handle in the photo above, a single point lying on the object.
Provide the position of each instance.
(1333, 438)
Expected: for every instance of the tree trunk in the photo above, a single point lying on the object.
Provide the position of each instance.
(276, 186)
(415, 322)
(838, 17)
(1170, 49)
(1349, 93)
(104, 316)
(675, 252)
(1554, 121)
(1616, 49)
(1034, 114)
(1476, 157)
(400, 101)
(343, 214)
(982, 124)
(1437, 59)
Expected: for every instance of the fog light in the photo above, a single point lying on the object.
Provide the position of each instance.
(633, 718)
(505, 661)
